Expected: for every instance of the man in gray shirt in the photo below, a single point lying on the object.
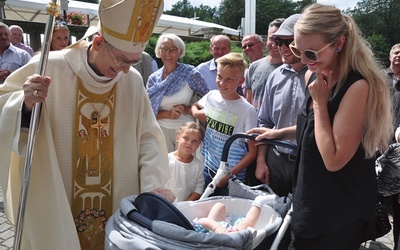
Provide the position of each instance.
(259, 70)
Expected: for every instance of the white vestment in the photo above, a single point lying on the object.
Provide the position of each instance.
(139, 147)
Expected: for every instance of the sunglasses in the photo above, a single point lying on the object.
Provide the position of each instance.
(250, 45)
(309, 53)
(60, 23)
(279, 42)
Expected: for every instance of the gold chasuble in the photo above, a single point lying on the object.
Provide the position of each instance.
(92, 173)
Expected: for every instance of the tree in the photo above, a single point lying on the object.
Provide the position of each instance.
(268, 10)
(302, 4)
(380, 47)
(184, 8)
(206, 13)
(378, 19)
(231, 12)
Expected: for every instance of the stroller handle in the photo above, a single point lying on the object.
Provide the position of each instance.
(231, 139)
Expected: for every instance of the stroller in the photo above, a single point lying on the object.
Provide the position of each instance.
(148, 221)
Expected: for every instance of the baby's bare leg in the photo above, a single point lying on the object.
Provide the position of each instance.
(251, 219)
(217, 213)
(254, 212)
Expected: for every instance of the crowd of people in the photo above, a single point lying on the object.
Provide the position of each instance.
(114, 124)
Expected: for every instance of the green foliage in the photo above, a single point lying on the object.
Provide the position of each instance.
(231, 12)
(182, 8)
(206, 13)
(268, 10)
(185, 9)
(150, 49)
(197, 52)
(380, 48)
(379, 21)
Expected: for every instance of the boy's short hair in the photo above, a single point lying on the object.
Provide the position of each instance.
(232, 59)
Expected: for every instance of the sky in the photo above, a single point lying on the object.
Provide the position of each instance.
(341, 4)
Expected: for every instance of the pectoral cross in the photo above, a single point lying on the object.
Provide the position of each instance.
(98, 126)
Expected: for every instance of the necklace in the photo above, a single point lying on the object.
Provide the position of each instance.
(97, 124)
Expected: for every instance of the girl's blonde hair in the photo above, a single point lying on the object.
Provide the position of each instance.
(356, 55)
(192, 126)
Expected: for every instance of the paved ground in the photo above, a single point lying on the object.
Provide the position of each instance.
(7, 235)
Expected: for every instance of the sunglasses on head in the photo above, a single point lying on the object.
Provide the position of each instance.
(60, 23)
(309, 53)
(279, 42)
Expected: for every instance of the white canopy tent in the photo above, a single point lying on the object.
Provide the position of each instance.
(34, 11)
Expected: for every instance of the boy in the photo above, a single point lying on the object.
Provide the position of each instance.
(226, 113)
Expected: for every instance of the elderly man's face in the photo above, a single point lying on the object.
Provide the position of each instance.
(109, 61)
(4, 37)
(220, 47)
(395, 57)
(252, 48)
(16, 36)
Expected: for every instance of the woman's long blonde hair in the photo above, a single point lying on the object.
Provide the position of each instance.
(356, 55)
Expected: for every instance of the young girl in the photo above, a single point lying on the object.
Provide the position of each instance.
(187, 180)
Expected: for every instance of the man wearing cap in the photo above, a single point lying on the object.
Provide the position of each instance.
(98, 140)
(283, 97)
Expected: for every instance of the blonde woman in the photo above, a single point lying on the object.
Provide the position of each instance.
(60, 38)
(346, 117)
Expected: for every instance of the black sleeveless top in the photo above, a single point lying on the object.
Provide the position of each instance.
(326, 201)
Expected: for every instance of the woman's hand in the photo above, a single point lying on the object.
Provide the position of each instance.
(321, 88)
(176, 111)
(264, 133)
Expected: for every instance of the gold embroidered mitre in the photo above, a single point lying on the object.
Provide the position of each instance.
(128, 24)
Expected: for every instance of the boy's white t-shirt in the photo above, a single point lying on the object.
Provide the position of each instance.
(225, 118)
(186, 178)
